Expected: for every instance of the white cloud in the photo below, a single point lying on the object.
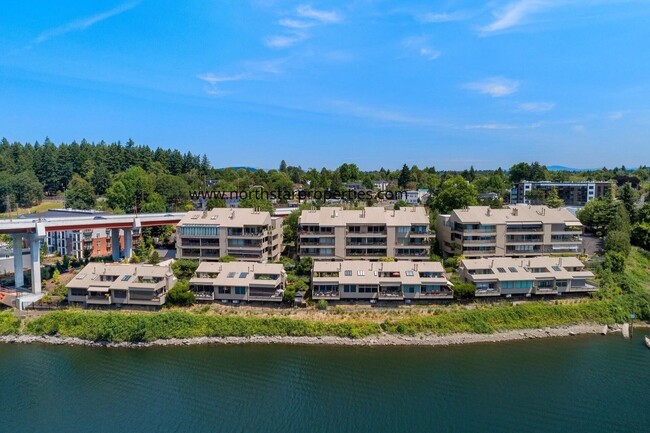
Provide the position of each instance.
(432, 17)
(429, 53)
(494, 86)
(325, 17)
(615, 115)
(283, 41)
(84, 23)
(295, 24)
(490, 126)
(513, 14)
(378, 114)
(421, 46)
(213, 80)
(536, 107)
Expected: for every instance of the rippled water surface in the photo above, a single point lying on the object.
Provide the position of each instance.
(581, 384)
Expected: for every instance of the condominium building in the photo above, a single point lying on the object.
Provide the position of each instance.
(246, 234)
(100, 284)
(331, 233)
(80, 243)
(384, 281)
(573, 193)
(522, 231)
(534, 276)
(239, 281)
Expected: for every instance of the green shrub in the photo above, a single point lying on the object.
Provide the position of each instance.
(321, 304)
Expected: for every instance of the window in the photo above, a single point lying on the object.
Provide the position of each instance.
(240, 290)
(502, 270)
(347, 273)
(403, 229)
(126, 278)
(361, 273)
(512, 269)
(409, 273)
(349, 288)
(557, 268)
(243, 275)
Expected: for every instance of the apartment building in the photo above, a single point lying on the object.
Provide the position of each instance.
(99, 284)
(331, 233)
(247, 234)
(520, 231)
(239, 281)
(575, 194)
(380, 281)
(534, 276)
(80, 243)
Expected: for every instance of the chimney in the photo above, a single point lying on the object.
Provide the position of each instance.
(333, 213)
(488, 212)
(515, 211)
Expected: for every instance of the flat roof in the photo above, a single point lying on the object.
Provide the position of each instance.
(337, 216)
(515, 214)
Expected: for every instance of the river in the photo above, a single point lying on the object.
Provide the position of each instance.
(577, 384)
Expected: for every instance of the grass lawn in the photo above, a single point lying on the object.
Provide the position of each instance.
(44, 206)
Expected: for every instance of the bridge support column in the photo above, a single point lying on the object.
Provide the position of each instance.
(128, 242)
(115, 244)
(19, 276)
(35, 249)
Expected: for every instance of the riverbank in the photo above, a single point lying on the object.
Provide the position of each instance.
(440, 326)
(375, 340)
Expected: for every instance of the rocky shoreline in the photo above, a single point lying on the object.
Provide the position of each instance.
(375, 340)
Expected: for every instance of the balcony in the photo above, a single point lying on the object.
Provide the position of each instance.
(437, 294)
(98, 299)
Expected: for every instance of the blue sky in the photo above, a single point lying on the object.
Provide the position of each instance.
(376, 83)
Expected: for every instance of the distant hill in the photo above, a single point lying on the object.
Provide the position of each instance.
(239, 168)
(563, 168)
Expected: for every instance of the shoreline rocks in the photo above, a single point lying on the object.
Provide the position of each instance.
(374, 340)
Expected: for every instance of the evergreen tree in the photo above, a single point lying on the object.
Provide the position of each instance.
(80, 194)
(404, 176)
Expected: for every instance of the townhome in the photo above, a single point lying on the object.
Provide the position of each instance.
(247, 234)
(504, 276)
(120, 285)
(380, 281)
(520, 231)
(331, 233)
(239, 281)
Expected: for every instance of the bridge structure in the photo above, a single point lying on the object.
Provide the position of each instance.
(33, 231)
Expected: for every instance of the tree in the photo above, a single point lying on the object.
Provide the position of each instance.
(400, 204)
(27, 190)
(215, 202)
(464, 291)
(641, 235)
(629, 197)
(184, 268)
(154, 204)
(154, 257)
(455, 193)
(80, 194)
(349, 172)
(100, 179)
(620, 220)
(173, 189)
(553, 200)
(227, 259)
(618, 241)
(290, 227)
(180, 294)
(283, 166)
(117, 197)
(404, 176)
(596, 214)
(304, 266)
(256, 200)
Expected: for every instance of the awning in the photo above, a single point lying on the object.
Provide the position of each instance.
(98, 289)
(573, 223)
(565, 247)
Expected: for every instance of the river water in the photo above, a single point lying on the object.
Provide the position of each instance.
(578, 384)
